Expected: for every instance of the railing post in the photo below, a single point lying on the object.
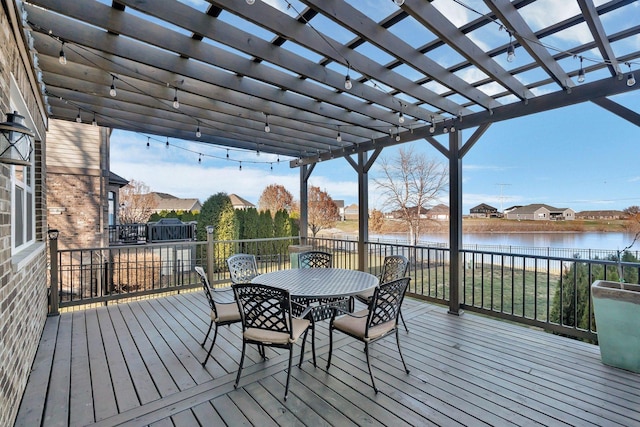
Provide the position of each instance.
(53, 280)
(210, 230)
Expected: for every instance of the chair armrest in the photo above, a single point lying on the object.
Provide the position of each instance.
(305, 310)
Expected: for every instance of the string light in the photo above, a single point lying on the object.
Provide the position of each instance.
(227, 153)
(257, 150)
(432, 129)
(176, 104)
(94, 122)
(511, 51)
(112, 91)
(400, 117)
(148, 145)
(240, 168)
(78, 118)
(399, 2)
(250, 2)
(271, 166)
(631, 78)
(200, 158)
(198, 133)
(62, 59)
(581, 76)
(339, 137)
(398, 133)
(347, 79)
(267, 129)
(167, 144)
(278, 159)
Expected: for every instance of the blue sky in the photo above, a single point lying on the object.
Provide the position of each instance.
(581, 157)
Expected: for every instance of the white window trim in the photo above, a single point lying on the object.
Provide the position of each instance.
(17, 103)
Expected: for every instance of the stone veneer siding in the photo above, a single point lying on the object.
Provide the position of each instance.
(23, 280)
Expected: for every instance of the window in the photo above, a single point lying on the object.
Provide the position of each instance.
(23, 206)
(112, 208)
(23, 209)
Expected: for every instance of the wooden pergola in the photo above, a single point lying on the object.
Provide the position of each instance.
(221, 72)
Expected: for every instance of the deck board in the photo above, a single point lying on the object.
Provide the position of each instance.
(139, 364)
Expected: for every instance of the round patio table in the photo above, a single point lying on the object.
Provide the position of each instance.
(319, 282)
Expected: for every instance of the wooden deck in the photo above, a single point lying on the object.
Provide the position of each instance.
(139, 364)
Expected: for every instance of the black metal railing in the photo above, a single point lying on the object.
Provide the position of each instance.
(549, 292)
(153, 232)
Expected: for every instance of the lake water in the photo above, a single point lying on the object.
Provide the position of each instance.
(577, 240)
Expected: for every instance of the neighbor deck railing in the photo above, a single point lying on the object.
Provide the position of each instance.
(549, 292)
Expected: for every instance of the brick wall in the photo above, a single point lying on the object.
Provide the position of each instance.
(23, 284)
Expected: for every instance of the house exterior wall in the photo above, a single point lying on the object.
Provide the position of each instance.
(77, 176)
(23, 279)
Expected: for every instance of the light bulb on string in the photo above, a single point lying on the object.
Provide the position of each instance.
(198, 133)
(94, 122)
(240, 168)
(148, 146)
(339, 137)
(400, 117)
(267, 128)
(271, 166)
(511, 51)
(432, 129)
(399, 2)
(278, 159)
(227, 153)
(631, 78)
(398, 133)
(347, 80)
(250, 2)
(167, 144)
(581, 76)
(78, 118)
(199, 158)
(62, 59)
(176, 104)
(112, 90)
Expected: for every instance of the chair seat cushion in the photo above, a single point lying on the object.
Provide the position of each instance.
(356, 326)
(274, 337)
(226, 312)
(366, 295)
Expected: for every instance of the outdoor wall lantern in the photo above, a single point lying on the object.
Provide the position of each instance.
(16, 141)
(53, 234)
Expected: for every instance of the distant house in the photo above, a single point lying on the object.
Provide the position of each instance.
(351, 211)
(340, 205)
(510, 209)
(240, 203)
(439, 212)
(484, 211)
(167, 202)
(604, 214)
(540, 212)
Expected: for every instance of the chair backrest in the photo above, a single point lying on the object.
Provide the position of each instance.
(314, 259)
(386, 302)
(206, 287)
(263, 307)
(394, 267)
(242, 268)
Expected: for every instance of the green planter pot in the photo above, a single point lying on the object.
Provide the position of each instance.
(617, 310)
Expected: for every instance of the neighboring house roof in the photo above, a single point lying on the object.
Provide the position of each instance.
(439, 208)
(339, 203)
(240, 203)
(115, 179)
(483, 207)
(167, 202)
(529, 209)
(601, 213)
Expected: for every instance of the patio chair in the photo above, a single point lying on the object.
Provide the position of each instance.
(242, 268)
(222, 313)
(267, 321)
(393, 268)
(321, 309)
(374, 323)
(314, 259)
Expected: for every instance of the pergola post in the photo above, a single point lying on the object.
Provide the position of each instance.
(455, 223)
(304, 201)
(363, 210)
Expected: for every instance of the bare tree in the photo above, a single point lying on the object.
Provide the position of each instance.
(274, 198)
(136, 203)
(410, 183)
(323, 211)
